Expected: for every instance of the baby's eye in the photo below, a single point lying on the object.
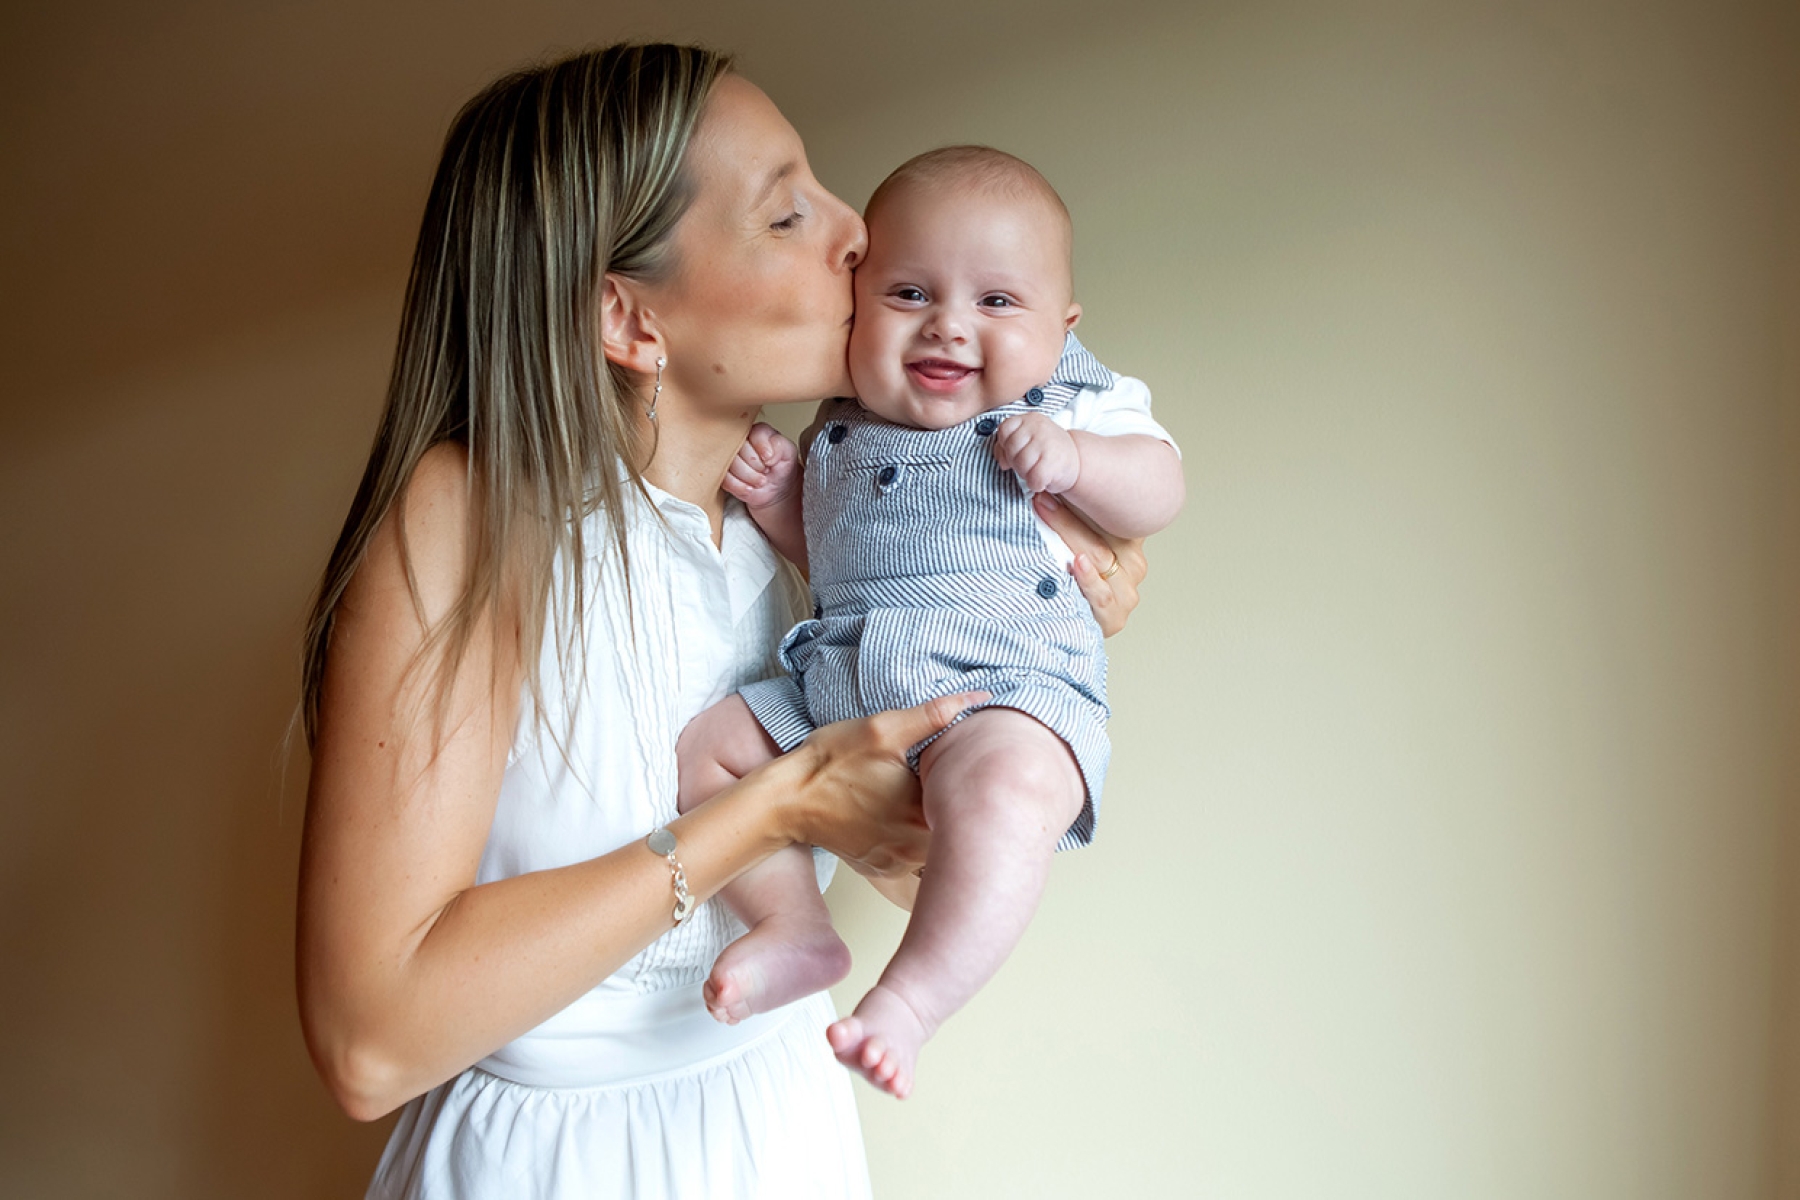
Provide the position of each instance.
(908, 295)
(996, 301)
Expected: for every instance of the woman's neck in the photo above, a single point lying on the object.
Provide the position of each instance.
(693, 452)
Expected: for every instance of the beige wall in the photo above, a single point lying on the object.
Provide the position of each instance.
(1787, 656)
(1445, 851)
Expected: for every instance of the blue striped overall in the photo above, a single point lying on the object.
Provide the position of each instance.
(930, 576)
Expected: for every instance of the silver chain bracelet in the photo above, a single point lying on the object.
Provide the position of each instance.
(662, 842)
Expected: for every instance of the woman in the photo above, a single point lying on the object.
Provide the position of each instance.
(623, 257)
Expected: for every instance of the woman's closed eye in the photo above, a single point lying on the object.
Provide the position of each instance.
(798, 209)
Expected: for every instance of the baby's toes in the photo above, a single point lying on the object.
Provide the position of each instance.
(844, 1036)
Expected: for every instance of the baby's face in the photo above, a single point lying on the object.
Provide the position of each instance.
(961, 304)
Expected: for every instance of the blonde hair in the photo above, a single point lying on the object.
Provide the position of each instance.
(549, 180)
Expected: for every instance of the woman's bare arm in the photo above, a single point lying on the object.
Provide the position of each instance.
(408, 972)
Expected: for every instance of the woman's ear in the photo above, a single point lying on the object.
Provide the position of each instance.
(628, 334)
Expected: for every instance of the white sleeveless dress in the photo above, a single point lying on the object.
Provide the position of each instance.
(634, 1091)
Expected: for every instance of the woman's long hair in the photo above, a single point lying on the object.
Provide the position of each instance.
(549, 180)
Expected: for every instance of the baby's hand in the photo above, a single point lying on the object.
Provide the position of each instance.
(766, 470)
(1040, 450)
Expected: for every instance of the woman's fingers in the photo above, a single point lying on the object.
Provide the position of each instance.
(871, 817)
(1098, 593)
(1076, 533)
(1107, 570)
(899, 854)
(907, 727)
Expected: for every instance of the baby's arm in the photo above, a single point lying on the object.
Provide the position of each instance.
(1129, 485)
(766, 476)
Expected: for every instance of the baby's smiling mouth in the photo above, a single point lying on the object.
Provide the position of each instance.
(939, 374)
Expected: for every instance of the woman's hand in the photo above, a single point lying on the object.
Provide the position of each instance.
(1107, 570)
(853, 792)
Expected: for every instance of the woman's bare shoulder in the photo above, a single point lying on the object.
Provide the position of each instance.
(427, 531)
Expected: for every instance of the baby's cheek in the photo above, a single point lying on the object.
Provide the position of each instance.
(864, 355)
(858, 353)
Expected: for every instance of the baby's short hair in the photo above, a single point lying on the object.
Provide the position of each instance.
(980, 167)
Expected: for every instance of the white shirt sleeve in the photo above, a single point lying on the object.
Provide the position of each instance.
(1120, 409)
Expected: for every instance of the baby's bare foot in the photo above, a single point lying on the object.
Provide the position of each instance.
(881, 1040)
(782, 959)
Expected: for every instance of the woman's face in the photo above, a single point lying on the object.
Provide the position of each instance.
(758, 308)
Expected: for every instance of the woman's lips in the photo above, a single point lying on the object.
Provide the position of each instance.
(940, 374)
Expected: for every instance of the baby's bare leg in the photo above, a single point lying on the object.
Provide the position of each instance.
(791, 950)
(1000, 791)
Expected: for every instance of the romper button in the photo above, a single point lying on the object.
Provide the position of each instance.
(887, 476)
(986, 426)
(1046, 587)
(1034, 397)
(837, 434)
(818, 611)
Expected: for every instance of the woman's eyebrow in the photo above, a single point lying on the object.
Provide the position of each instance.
(773, 180)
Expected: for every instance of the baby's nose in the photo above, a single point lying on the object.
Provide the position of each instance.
(944, 325)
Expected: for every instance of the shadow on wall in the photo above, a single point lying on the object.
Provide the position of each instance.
(264, 1125)
(150, 881)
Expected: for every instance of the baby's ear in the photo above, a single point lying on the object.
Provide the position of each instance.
(1072, 318)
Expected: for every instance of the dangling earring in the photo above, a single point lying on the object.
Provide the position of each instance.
(657, 394)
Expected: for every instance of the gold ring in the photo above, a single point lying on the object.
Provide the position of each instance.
(1112, 570)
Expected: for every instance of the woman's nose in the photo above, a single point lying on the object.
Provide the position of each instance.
(856, 237)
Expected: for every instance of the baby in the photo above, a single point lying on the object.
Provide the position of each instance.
(931, 574)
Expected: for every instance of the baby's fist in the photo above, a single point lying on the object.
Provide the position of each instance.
(766, 469)
(1040, 450)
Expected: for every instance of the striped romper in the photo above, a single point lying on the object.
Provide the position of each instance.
(930, 576)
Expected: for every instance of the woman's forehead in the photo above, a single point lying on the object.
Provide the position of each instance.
(744, 149)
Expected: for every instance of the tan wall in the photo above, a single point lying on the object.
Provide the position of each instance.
(1787, 642)
(1443, 853)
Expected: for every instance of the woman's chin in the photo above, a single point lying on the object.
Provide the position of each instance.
(830, 386)
(826, 391)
